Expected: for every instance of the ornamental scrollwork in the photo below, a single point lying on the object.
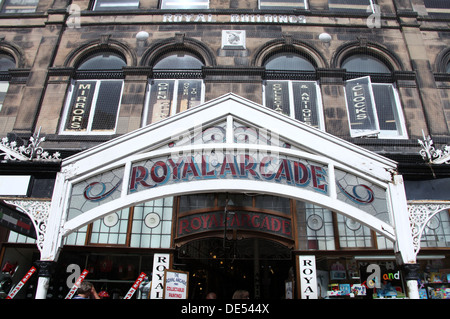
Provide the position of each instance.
(11, 150)
(432, 155)
(38, 211)
(419, 215)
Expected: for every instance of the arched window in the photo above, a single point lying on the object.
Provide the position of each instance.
(6, 62)
(93, 101)
(288, 62)
(447, 68)
(373, 104)
(15, 6)
(175, 87)
(184, 4)
(354, 6)
(364, 63)
(102, 61)
(282, 4)
(288, 90)
(110, 5)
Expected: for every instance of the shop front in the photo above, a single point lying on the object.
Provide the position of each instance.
(236, 195)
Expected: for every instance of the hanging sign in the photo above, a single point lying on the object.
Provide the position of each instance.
(21, 283)
(361, 107)
(77, 284)
(308, 279)
(135, 286)
(305, 101)
(79, 108)
(176, 284)
(160, 264)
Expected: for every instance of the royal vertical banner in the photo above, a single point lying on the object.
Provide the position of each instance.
(77, 284)
(161, 262)
(361, 107)
(308, 278)
(19, 286)
(135, 286)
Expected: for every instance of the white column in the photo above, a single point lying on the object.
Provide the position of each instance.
(404, 244)
(42, 287)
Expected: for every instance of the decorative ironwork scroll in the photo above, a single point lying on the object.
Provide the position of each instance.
(38, 211)
(33, 151)
(431, 154)
(419, 215)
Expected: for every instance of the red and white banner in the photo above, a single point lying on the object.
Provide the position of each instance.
(135, 286)
(77, 284)
(21, 283)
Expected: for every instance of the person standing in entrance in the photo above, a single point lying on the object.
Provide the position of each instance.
(211, 295)
(86, 291)
(241, 294)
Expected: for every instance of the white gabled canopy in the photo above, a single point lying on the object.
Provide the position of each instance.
(307, 138)
(343, 161)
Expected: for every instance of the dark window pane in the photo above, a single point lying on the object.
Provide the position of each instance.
(179, 61)
(349, 5)
(105, 5)
(385, 103)
(291, 62)
(364, 64)
(281, 4)
(107, 105)
(20, 6)
(6, 62)
(103, 61)
(437, 7)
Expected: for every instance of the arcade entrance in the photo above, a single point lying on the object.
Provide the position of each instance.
(258, 265)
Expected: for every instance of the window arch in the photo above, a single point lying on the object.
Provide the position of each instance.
(373, 103)
(106, 60)
(290, 87)
(175, 86)
(289, 62)
(364, 63)
(181, 60)
(94, 97)
(7, 62)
